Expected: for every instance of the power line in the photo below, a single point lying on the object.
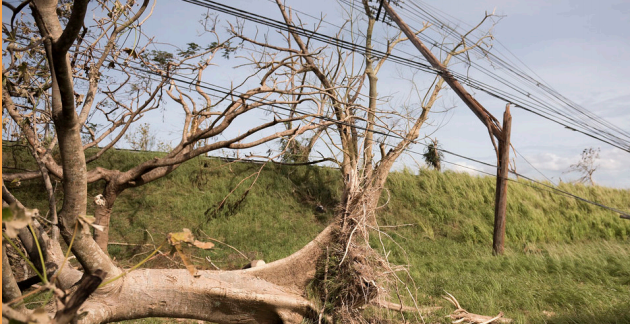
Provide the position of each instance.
(228, 91)
(448, 26)
(550, 94)
(531, 165)
(396, 49)
(510, 67)
(523, 103)
(546, 187)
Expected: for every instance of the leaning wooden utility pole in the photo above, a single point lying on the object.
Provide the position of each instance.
(481, 113)
(502, 177)
(486, 118)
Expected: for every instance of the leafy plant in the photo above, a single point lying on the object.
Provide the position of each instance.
(433, 155)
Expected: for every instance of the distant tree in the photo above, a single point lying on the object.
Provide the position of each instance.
(142, 138)
(586, 166)
(433, 155)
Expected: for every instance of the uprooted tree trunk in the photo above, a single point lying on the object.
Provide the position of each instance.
(264, 294)
(220, 297)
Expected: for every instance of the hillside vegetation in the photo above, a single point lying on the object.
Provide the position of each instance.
(565, 262)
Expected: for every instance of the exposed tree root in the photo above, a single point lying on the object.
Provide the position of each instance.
(460, 315)
(403, 308)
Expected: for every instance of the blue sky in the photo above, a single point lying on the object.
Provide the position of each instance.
(580, 48)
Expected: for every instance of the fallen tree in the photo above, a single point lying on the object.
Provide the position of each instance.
(345, 271)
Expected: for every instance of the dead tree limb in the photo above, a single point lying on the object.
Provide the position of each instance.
(461, 315)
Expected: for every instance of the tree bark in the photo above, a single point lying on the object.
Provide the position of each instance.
(68, 129)
(103, 214)
(223, 297)
(297, 270)
(501, 187)
(10, 289)
(368, 156)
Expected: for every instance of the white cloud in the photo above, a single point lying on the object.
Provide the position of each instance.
(613, 167)
(552, 162)
(614, 160)
(470, 169)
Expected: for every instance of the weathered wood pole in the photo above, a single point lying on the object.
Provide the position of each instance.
(501, 133)
(502, 178)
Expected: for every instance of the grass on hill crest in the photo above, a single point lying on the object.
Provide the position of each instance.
(566, 261)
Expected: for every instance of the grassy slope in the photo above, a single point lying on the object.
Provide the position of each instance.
(565, 262)
(563, 258)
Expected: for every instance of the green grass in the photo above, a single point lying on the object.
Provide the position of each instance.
(582, 282)
(565, 261)
(461, 207)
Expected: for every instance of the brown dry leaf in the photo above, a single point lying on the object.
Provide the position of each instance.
(191, 267)
(203, 245)
(179, 237)
(176, 239)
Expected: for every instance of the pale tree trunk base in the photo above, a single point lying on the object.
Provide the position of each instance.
(297, 270)
(215, 296)
(270, 293)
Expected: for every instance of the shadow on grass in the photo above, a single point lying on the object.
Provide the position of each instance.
(619, 313)
(314, 186)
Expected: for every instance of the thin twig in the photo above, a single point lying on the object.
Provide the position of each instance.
(129, 244)
(394, 226)
(233, 248)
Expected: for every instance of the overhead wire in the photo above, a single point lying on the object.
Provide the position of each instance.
(227, 91)
(547, 90)
(190, 82)
(541, 103)
(531, 165)
(407, 150)
(431, 41)
(448, 25)
(522, 102)
(519, 76)
(547, 188)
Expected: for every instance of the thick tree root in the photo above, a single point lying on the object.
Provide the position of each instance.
(460, 315)
(403, 308)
